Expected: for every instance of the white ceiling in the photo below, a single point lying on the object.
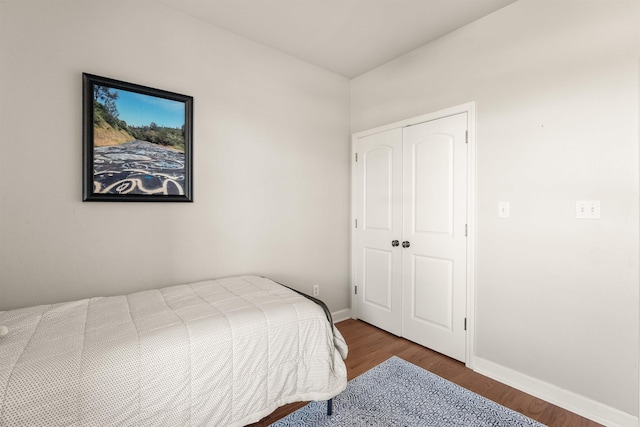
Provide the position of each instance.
(348, 37)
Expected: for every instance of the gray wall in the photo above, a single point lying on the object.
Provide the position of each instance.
(556, 86)
(271, 147)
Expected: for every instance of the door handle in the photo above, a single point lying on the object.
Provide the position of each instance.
(395, 243)
(406, 244)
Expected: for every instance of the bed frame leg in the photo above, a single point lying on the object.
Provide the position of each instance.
(329, 406)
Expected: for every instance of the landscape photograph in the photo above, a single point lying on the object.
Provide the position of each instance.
(139, 144)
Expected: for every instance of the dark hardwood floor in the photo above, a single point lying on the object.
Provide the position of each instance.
(370, 346)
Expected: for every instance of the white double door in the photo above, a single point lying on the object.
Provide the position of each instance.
(410, 241)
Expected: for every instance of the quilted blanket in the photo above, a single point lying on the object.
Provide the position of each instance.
(217, 353)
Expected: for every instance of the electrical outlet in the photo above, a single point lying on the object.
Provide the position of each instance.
(316, 290)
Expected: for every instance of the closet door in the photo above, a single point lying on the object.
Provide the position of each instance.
(379, 230)
(434, 235)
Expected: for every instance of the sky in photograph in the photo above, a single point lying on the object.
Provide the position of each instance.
(140, 110)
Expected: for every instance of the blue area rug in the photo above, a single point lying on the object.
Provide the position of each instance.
(398, 393)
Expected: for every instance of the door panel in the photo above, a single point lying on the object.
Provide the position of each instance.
(377, 277)
(378, 187)
(433, 175)
(379, 208)
(435, 217)
(432, 301)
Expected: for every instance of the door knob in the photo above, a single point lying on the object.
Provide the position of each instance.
(395, 243)
(406, 244)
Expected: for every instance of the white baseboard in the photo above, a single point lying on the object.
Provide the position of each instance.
(340, 315)
(568, 400)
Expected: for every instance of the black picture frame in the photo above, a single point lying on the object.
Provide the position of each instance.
(146, 161)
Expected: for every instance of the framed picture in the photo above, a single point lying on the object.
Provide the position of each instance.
(137, 142)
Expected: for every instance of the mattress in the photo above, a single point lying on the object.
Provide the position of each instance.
(223, 352)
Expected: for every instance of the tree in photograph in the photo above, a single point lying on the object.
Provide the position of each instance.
(107, 98)
(105, 108)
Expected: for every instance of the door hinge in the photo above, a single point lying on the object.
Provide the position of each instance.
(466, 230)
(356, 223)
(356, 157)
(466, 136)
(356, 289)
(465, 323)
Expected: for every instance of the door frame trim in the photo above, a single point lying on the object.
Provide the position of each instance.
(470, 109)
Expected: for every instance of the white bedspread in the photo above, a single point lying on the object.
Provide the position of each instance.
(217, 353)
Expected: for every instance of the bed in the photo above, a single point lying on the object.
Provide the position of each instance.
(223, 352)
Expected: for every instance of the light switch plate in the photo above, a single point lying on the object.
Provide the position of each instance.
(503, 210)
(588, 209)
